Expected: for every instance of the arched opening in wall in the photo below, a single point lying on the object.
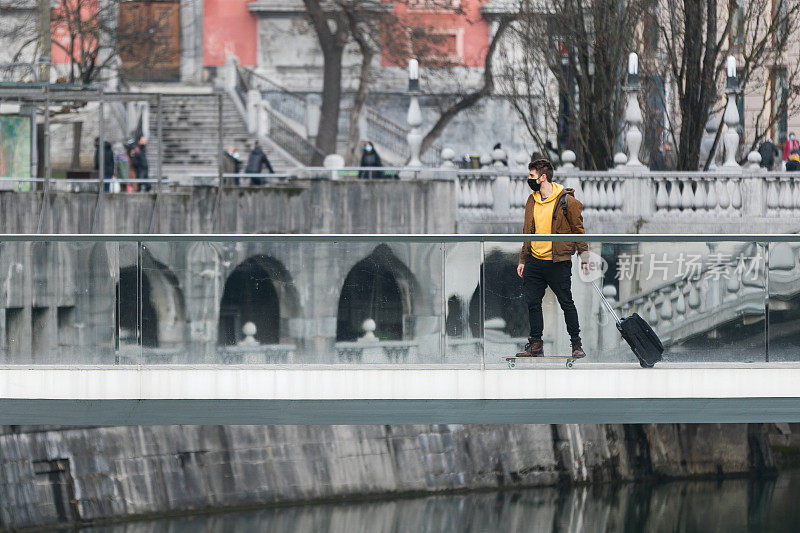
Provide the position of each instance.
(162, 308)
(504, 297)
(127, 320)
(456, 318)
(250, 296)
(372, 290)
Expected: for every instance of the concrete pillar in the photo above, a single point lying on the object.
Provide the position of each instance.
(191, 41)
(253, 110)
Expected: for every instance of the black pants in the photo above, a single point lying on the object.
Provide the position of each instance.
(537, 276)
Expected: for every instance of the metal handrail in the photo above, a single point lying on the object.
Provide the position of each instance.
(401, 237)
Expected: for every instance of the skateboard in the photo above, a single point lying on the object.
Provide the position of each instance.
(512, 359)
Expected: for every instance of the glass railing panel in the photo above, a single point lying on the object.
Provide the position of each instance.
(388, 301)
(385, 299)
(128, 303)
(784, 301)
(706, 301)
(506, 324)
(58, 302)
(262, 302)
(463, 303)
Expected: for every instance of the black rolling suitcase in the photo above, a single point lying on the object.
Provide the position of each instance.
(639, 335)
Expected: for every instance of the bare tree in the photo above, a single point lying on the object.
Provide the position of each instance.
(564, 72)
(92, 36)
(332, 42)
(375, 27)
(696, 37)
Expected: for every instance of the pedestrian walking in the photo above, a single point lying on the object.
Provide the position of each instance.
(769, 152)
(108, 162)
(139, 163)
(257, 161)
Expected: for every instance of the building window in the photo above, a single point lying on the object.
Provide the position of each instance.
(437, 47)
(433, 5)
(779, 84)
(737, 23)
(780, 18)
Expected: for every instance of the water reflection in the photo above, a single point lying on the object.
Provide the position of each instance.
(686, 506)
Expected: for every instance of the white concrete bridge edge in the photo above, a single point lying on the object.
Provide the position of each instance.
(217, 382)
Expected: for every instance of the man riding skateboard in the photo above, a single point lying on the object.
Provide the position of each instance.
(550, 209)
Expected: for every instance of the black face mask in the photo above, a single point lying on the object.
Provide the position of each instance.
(533, 184)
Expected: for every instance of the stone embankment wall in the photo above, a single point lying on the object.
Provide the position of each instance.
(299, 206)
(50, 475)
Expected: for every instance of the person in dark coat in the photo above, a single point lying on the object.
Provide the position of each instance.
(370, 158)
(108, 162)
(769, 152)
(256, 162)
(139, 162)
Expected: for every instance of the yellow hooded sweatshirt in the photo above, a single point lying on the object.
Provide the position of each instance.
(543, 220)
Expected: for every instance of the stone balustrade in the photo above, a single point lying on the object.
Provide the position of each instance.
(500, 195)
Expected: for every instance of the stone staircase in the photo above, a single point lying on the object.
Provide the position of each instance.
(190, 129)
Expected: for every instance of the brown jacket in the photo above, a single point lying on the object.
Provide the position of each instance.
(571, 223)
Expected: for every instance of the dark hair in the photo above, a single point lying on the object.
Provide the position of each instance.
(542, 166)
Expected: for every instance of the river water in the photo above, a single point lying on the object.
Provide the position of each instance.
(679, 506)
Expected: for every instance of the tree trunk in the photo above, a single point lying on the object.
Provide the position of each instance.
(77, 129)
(328, 129)
(354, 141)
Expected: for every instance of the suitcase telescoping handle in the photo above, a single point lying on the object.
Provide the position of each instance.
(605, 301)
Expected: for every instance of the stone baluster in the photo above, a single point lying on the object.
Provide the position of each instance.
(735, 186)
(662, 199)
(694, 296)
(711, 197)
(652, 315)
(666, 307)
(489, 193)
(474, 195)
(732, 285)
(723, 198)
(617, 194)
(786, 194)
(680, 304)
(674, 194)
(773, 200)
(796, 195)
(700, 196)
(603, 200)
(687, 195)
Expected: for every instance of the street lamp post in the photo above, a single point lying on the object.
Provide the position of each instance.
(414, 136)
(633, 114)
(731, 116)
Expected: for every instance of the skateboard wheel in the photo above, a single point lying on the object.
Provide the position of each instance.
(512, 364)
(570, 364)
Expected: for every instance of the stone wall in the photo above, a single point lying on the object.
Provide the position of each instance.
(302, 206)
(51, 474)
